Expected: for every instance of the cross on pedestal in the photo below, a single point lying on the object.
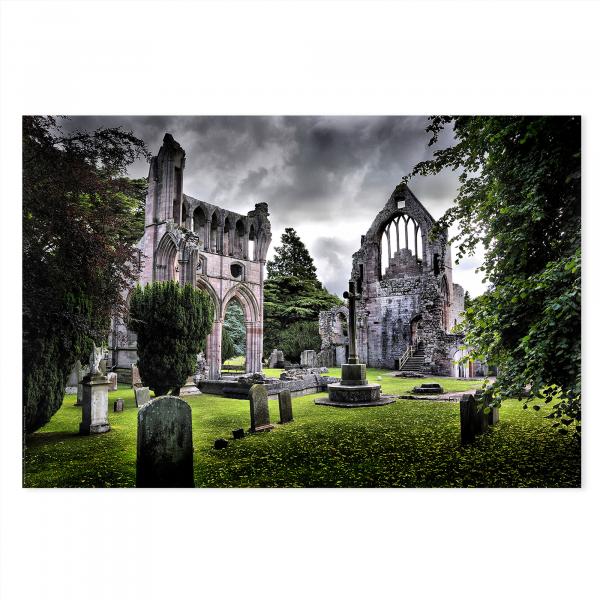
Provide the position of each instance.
(351, 296)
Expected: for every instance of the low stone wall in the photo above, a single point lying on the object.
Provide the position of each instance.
(312, 384)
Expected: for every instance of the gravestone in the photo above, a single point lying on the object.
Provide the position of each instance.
(164, 444)
(276, 359)
(118, 405)
(94, 412)
(429, 388)
(285, 407)
(220, 444)
(112, 382)
(136, 380)
(493, 416)
(308, 358)
(79, 395)
(473, 421)
(238, 434)
(259, 409)
(73, 379)
(142, 396)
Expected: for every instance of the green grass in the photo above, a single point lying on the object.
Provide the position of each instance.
(409, 443)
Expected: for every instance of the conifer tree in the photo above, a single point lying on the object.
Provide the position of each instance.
(171, 322)
(292, 258)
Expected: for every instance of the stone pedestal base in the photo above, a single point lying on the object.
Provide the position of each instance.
(261, 428)
(354, 396)
(94, 413)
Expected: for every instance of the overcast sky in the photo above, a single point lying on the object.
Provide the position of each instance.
(327, 177)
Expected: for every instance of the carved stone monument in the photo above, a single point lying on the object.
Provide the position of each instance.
(285, 407)
(94, 413)
(164, 444)
(259, 409)
(353, 390)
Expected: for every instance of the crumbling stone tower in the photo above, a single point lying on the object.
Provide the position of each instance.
(408, 298)
(217, 250)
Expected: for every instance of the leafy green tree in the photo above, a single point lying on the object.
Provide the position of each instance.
(292, 259)
(80, 221)
(299, 336)
(171, 322)
(234, 325)
(227, 347)
(292, 291)
(520, 195)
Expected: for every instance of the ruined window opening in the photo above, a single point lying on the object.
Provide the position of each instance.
(240, 232)
(236, 270)
(177, 198)
(252, 244)
(199, 227)
(227, 245)
(436, 264)
(401, 239)
(214, 228)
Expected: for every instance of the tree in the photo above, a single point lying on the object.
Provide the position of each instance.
(292, 259)
(292, 291)
(520, 195)
(227, 347)
(234, 326)
(171, 322)
(299, 336)
(80, 221)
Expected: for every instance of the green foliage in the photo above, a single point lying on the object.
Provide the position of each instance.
(292, 293)
(299, 336)
(234, 326)
(406, 444)
(171, 322)
(289, 300)
(520, 196)
(292, 258)
(80, 220)
(227, 347)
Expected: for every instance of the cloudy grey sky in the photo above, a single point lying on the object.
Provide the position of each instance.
(327, 177)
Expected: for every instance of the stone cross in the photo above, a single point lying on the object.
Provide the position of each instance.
(259, 409)
(351, 295)
(164, 444)
(285, 407)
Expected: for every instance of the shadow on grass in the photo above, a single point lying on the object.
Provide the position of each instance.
(49, 437)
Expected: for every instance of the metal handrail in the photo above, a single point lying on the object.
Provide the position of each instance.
(407, 354)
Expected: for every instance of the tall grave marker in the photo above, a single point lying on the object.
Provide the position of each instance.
(164, 444)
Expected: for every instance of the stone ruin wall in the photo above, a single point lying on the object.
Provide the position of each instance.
(408, 289)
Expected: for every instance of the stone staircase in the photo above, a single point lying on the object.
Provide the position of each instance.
(414, 363)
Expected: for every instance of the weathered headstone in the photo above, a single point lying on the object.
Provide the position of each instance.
(118, 405)
(221, 443)
(259, 409)
(238, 434)
(94, 413)
(136, 380)
(142, 396)
(276, 359)
(73, 379)
(308, 358)
(473, 421)
(79, 395)
(164, 444)
(285, 407)
(112, 382)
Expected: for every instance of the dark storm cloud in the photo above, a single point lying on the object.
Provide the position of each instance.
(325, 176)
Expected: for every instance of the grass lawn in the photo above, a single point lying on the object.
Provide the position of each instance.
(410, 443)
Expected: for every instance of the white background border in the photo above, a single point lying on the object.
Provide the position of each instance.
(293, 58)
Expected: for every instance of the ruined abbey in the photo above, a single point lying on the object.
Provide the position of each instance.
(408, 302)
(219, 251)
